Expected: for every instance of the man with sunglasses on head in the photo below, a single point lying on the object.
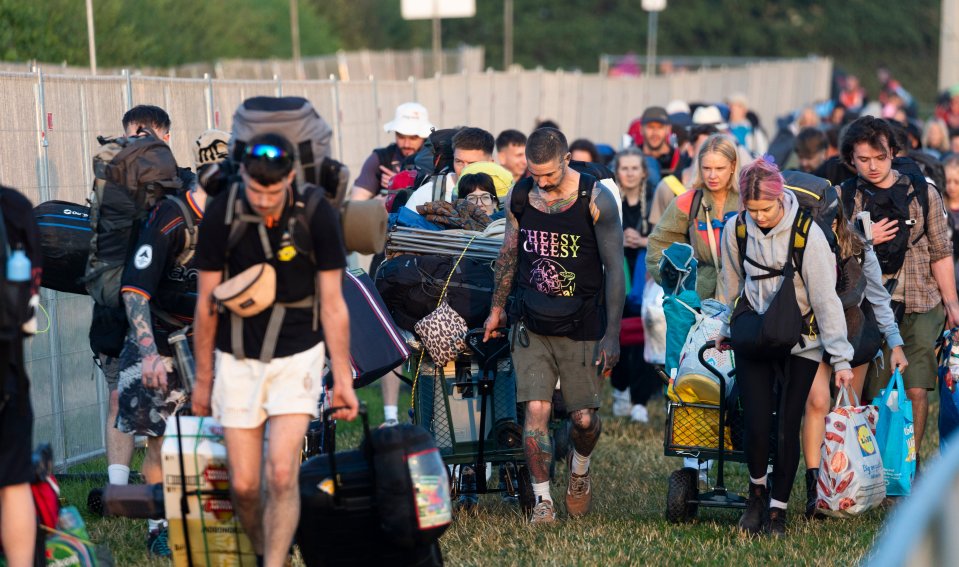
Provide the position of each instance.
(269, 364)
(563, 249)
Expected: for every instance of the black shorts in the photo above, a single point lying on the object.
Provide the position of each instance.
(16, 443)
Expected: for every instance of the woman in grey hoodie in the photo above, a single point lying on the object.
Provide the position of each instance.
(769, 216)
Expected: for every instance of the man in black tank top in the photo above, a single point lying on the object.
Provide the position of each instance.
(563, 250)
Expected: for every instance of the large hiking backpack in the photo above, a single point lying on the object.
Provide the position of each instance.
(818, 197)
(436, 160)
(893, 203)
(64, 243)
(132, 173)
(295, 119)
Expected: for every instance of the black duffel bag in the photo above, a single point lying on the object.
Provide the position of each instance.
(387, 502)
(65, 244)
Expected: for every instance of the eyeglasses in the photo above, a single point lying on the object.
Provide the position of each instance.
(267, 152)
(481, 199)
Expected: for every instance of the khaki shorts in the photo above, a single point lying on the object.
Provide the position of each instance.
(550, 359)
(110, 366)
(919, 333)
(246, 392)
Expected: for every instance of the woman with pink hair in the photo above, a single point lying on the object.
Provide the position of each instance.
(780, 275)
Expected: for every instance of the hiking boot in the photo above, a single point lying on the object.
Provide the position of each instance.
(158, 543)
(639, 414)
(579, 494)
(468, 498)
(543, 513)
(621, 403)
(812, 494)
(757, 505)
(777, 522)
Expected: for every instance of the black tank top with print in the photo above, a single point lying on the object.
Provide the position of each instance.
(558, 255)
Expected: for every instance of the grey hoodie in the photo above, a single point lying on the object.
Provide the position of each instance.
(819, 271)
(879, 299)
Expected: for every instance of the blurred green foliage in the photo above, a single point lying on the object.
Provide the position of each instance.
(571, 34)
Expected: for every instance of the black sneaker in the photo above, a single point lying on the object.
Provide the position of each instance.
(812, 494)
(757, 505)
(777, 522)
(158, 543)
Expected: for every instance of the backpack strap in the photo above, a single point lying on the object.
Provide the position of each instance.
(520, 196)
(311, 169)
(920, 192)
(848, 190)
(675, 185)
(189, 245)
(238, 217)
(799, 235)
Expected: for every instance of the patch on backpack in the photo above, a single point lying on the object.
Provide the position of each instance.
(143, 257)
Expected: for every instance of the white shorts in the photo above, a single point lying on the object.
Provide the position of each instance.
(246, 392)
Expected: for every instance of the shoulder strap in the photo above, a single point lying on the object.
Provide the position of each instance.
(848, 190)
(586, 184)
(694, 206)
(238, 217)
(520, 196)
(189, 245)
(800, 236)
(920, 192)
(675, 185)
(741, 238)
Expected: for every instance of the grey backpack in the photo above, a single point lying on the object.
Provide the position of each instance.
(295, 119)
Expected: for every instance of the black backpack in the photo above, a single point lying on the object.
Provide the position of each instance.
(893, 203)
(64, 243)
(817, 196)
(771, 335)
(132, 174)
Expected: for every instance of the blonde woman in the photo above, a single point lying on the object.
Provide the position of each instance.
(697, 216)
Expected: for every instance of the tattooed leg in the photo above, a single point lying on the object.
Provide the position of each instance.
(537, 442)
(586, 429)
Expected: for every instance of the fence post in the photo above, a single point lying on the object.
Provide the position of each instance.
(211, 120)
(337, 117)
(412, 80)
(377, 120)
(128, 94)
(279, 85)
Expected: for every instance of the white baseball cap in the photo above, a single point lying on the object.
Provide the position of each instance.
(411, 119)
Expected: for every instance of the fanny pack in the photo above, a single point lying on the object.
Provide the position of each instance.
(552, 315)
(250, 292)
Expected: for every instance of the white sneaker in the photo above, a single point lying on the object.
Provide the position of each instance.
(621, 403)
(639, 414)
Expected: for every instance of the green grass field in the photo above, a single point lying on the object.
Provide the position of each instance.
(627, 526)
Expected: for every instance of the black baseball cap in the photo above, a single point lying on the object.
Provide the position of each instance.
(655, 114)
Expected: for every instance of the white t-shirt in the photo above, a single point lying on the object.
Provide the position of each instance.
(424, 194)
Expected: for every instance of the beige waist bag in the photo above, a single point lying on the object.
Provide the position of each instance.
(250, 292)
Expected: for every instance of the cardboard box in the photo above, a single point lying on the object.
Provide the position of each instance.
(216, 537)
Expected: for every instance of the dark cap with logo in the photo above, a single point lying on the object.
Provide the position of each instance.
(655, 114)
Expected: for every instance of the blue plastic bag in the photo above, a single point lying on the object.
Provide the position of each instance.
(635, 282)
(894, 434)
(948, 393)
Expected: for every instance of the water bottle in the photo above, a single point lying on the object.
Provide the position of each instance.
(186, 367)
(18, 267)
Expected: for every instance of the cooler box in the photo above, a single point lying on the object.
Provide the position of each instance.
(215, 535)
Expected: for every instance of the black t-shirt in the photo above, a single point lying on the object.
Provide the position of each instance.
(154, 272)
(295, 275)
(632, 215)
(22, 232)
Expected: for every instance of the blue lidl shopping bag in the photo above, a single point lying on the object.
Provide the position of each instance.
(894, 434)
(948, 389)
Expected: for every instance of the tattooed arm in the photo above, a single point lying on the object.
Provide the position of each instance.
(609, 238)
(504, 274)
(141, 326)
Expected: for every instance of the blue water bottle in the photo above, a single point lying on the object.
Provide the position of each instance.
(18, 267)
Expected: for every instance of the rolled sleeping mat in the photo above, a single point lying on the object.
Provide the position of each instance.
(364, 226)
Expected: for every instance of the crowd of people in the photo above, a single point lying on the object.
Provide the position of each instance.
(579, 218)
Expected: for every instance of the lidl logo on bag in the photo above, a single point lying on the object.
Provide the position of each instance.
(866, 442)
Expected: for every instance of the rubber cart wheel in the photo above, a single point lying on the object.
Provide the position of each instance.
(683, 487)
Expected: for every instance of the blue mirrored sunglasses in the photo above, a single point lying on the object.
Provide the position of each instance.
(267, 152)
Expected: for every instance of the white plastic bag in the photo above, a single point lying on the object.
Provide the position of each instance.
(654, 324)
(851, 479)
(707, 328)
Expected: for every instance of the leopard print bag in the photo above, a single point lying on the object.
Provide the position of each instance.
(443, 333)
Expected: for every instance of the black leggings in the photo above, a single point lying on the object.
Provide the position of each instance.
(756, 379)
(633, 372)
